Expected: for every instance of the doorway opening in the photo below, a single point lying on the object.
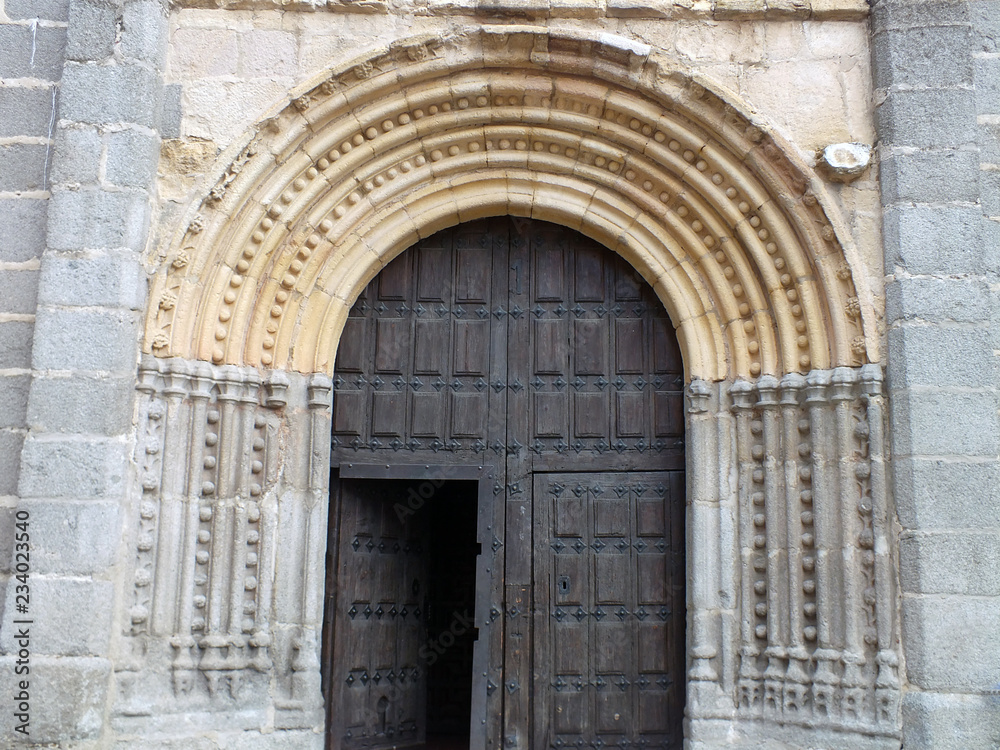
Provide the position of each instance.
(530, 358)
(400, 621)
(451, 632)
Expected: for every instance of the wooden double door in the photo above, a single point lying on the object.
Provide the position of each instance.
(507, 504)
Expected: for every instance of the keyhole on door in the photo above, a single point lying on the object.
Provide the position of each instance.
(382, 708)
(517, 277)
(563, 584)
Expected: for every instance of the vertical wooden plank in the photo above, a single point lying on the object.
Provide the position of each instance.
(434, 270)
(519, 490)
(666, 352)
(590, 413)
(472, 274)
(550, 346)
(350, 352)
(549, 274)
(517, 666)
(629, 345)
(549, 414)
(391, 345)
(590, 342)
(427, 415)
(394, 279)
(628, 283)
(589, 276)
(430, 340)
(468, 415)
(388, 414)
(630, 414)
(471, 342)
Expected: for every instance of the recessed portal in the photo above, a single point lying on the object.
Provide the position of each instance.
(403, 589)
(540, 363)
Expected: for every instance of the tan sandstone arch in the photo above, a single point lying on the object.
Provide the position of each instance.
(597, 134)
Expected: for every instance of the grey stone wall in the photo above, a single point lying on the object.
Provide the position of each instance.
(937, 72)
(32, 45)
(80, 188)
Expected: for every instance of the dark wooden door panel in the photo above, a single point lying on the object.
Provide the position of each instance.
(609, 609)
(535, 354)
(508, 336)
(378, 680)
(413, 377)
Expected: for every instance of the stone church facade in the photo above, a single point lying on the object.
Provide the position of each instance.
(199, 195)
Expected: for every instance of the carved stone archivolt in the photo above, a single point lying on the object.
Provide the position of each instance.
(603, 136)
(792, 632)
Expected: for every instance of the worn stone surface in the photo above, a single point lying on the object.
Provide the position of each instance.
(28, 243)
(26, 111)
(939, 660)
(23, 291)
(96, 218)
(52, 598)
(88, 455)
(941, 253)
(15, 344)
(68, 696)
(85, 339)
(10, 460)
(85, 278)
(951, 562)
(70, 537)
(950, 721)
(100, 404)
(947, 493)
(68, 468)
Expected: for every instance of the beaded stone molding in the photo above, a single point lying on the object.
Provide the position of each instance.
(598, 134)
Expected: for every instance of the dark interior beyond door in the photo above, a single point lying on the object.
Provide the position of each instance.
(541, 369)
(405, 579)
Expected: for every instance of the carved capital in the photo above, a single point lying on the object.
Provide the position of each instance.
(276, 388)
(741, 393)
(871, 380)
(767, 389)
(842, 383)
(230, 382)
(251, 387)
(817, 384)
(320, 387)
(791, 385)
(201, 381)
(149, 371)
(176, 377)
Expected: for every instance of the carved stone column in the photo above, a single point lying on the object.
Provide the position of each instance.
(704, 689)
(752, 583)
(817, 636)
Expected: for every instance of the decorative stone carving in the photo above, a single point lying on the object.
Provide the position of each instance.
(817, 644)
(202, 577)
(792, 624)
(792, 601)
(467, 142)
